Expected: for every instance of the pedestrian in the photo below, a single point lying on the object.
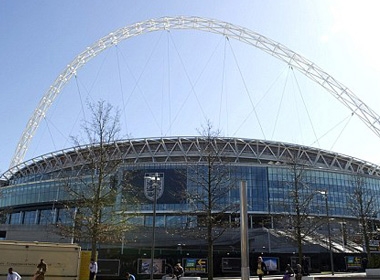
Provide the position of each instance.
(289, 272)
(13, 275)
(299, 272)
(364, 264)
(41, 270)
(93, 269)
(305, 266)
(169, 269)
(130, 276)
(261, 268)
(177, 271)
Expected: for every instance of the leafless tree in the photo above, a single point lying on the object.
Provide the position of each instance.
(297, 222)
(211, 182)
(96, 189)
(361, 203)
(5, 211)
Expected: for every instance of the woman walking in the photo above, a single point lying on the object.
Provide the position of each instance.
(261, 268)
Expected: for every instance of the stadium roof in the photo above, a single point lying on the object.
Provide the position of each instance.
(189, 149)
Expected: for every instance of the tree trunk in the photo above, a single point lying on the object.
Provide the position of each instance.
(210, 262)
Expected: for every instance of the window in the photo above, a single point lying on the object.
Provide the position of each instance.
(15, 218)
(30, 217)
(47, 216)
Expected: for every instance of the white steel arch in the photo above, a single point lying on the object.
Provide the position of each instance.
(306, 67)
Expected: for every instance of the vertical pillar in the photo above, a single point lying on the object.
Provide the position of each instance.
(153, 227)
(244, 232)
(329, 233)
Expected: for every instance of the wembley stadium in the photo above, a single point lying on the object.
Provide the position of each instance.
(34, 192)
(301, 200)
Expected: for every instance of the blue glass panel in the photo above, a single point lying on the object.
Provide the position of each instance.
(30, 217)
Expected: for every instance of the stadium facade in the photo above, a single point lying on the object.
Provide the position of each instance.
(32, 195)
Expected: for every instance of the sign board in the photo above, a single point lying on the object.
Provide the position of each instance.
(234, 264)
(143, 266)
(231, 265)
(195, 265)
(353, 262)
(108, 267)
(374, 246)
(84, 272)
(272, 263)
(374, 249)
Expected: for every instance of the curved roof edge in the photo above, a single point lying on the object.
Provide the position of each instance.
(189, 149)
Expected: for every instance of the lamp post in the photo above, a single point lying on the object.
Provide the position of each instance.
(154, 185)
(343, 229)
(324, 193)
(244, 232)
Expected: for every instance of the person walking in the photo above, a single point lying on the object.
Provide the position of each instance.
(13, 275)
(289, 272)
(130, 276)
(305, 266)
(177, 271)
(169, 269)
(261, 268)
(41, 270)
(93, 269)
(299, 273)
(364, 264)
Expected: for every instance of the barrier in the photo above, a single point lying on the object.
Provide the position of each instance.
(372, 271)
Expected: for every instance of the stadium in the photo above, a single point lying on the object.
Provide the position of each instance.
(34, 192)
(290, 187)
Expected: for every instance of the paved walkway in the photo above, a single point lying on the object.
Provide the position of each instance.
(352, 276)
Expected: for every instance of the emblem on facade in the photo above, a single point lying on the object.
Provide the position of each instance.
(153, 183)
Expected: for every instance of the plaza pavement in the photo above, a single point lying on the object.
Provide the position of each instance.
(316, 276)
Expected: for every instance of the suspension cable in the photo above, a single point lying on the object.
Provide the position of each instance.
(222, 89)
(137, 80)
(179, 111)
(306, 108)
(247, 90)
(259, 101)
(346, 119)
(121, 88)
(279, 105)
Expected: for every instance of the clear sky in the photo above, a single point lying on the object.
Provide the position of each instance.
(145, 76)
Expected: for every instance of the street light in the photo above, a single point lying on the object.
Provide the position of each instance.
(153, 196)
(244, 232)
(324, 193)
(343, 229)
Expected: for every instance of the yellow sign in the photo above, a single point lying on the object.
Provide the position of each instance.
(84, 270)
(201, 262)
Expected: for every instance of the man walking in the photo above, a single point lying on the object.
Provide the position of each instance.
(13, 275)
(93, 269)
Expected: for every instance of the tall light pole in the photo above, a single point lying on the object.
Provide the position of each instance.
(244, 231)
(154, 185)
(324, 193)
(343, 229)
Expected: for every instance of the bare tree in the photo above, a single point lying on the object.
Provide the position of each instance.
(297, 222)
(5, 211)
(210, 182)
(96, 189)
(362, 205)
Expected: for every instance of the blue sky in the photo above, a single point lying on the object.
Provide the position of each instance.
(39, 38)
